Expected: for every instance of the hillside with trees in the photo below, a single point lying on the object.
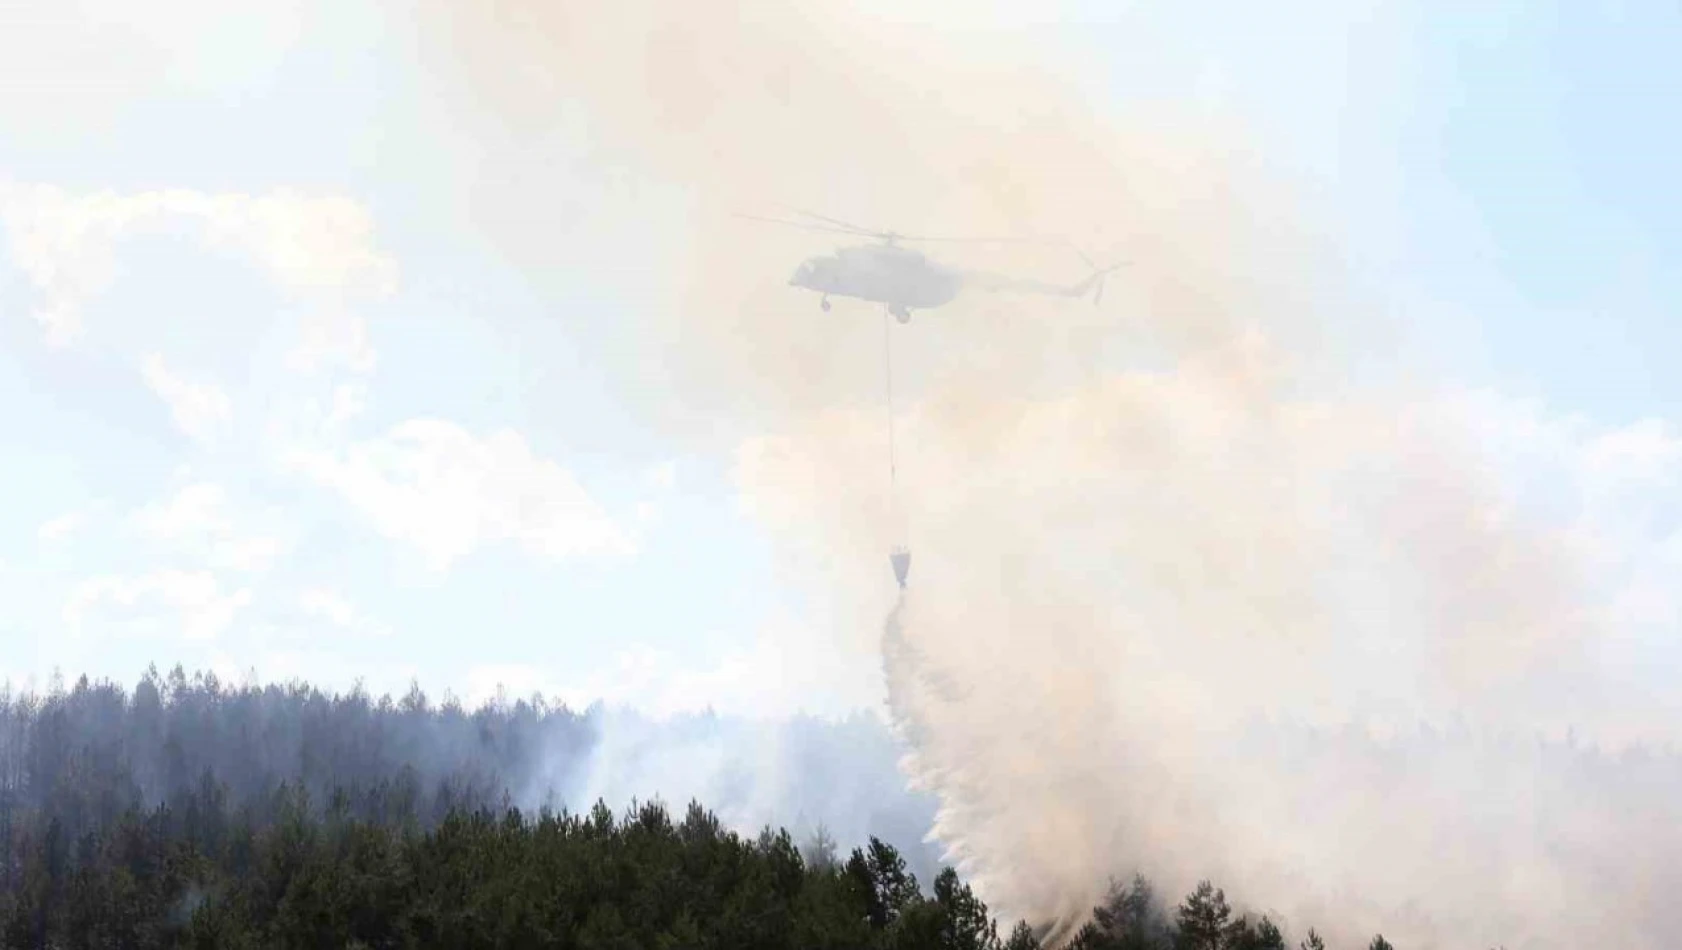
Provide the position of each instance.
(184, 814)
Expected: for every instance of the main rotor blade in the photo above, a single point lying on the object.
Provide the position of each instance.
(896, 236)
(843, 224)
(837, 226)
(797, 224)
(972, 240)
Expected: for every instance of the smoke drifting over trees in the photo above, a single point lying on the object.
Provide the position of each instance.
(1140, 529)
(186, 814)
(1193, 598)
(90, 751)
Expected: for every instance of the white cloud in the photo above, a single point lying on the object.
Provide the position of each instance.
(195, 598)
(197, 408)
(1621, 479)
(661, 481)
(333, 336)
(62, 527)
(198, 518)
(69, 68)
(315, 247)
(250, 554)
(447, 492)
(316, 417)
(326, 605)
(195, 509)
(350, 400)
(1646, 454)
(662, 477)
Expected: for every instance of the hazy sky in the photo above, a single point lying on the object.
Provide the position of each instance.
(268, 400)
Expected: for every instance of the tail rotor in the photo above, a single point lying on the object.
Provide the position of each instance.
(1099, 274)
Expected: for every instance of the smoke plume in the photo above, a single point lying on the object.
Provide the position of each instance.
(1184, 595)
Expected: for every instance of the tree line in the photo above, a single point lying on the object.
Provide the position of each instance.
(186, 814)
(89, 750)
(194, 873)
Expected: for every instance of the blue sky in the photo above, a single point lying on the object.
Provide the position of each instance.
(1501, 181)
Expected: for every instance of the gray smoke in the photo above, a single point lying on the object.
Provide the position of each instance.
(1141, 532)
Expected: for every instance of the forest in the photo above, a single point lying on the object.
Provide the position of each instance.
(187, 814)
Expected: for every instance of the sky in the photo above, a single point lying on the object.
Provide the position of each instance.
(271, 400)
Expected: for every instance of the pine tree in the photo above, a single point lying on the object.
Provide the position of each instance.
(198, 815)
(819, 851)
(883, 881)
(1022, 937)
(1126, 920)
(1265, 936)
(965, 924)
(1203, 919)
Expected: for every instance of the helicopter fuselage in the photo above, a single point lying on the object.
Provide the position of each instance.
(898, 277)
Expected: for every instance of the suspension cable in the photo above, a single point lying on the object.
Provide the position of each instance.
(888, 375)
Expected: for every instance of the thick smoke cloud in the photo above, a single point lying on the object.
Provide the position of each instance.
(1154, 541)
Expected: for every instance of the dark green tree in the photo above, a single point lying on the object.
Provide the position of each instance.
(1022, 937)
(1203, 919)
(199, 815)
(879, 876)
(965, 924)
(1126, 920)
(1263, 935)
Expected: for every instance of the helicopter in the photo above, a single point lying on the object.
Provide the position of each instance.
(904, 279)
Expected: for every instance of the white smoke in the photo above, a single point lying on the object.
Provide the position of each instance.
(1138, 531)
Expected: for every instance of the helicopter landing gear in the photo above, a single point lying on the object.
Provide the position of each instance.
(901, 313)
(824, 303)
